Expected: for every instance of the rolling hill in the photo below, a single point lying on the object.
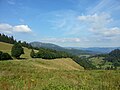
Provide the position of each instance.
(62, 63)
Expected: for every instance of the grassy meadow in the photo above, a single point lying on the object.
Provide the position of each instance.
(58, 74)
(46, 75)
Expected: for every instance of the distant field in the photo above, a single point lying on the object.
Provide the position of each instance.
(99, 62)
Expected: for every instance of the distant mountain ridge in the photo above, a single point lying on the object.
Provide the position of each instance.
(74, 50)
(98, 49)
(59, 48)
(46, 45)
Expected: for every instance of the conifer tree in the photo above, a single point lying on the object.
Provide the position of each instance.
(17, 50)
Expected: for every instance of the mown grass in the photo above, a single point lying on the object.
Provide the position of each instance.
(26, 75)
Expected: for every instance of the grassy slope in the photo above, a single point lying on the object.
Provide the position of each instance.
(40, 75)
(67, 64)
(60, 74)
(57, 64)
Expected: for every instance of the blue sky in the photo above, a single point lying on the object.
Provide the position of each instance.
(69, 23)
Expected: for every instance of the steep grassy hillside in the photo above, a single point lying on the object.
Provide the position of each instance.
(5, 47)
(48, 75)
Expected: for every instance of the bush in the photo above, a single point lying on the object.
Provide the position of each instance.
(4, 56)
(1, 54)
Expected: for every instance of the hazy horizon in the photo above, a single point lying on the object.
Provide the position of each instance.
(67, 23)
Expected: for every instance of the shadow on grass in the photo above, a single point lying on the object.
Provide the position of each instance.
(22, 58)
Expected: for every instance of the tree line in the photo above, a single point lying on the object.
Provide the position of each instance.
(11, 40)
(49, 54)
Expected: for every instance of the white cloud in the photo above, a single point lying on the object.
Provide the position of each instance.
(90, 26)
(62, 40)
(21, 28)
(111, 32)
(7, 28)
(97, 20)
(98, 24)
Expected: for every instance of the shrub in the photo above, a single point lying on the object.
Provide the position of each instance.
(32, 54)
(4, 56)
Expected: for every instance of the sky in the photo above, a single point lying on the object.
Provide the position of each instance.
(68, 23)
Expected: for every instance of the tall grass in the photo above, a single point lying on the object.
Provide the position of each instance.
(25, 75)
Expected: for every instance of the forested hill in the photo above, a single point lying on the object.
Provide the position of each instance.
(46, 45)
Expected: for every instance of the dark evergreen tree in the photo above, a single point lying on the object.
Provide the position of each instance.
(7, 39)
(11, 40)
(32, 54)
(50, 54)
(17, 50)
(1, 54)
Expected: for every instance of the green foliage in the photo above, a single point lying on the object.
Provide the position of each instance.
(1, 54)
(32, 54)
(114, 57)
(11, 40)
(106, 61)
(98, 55)
(17, 50)
(49, 54)
(53, 54)
(4, 56)
(84, 62)
(7, 39)
(25, 44)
